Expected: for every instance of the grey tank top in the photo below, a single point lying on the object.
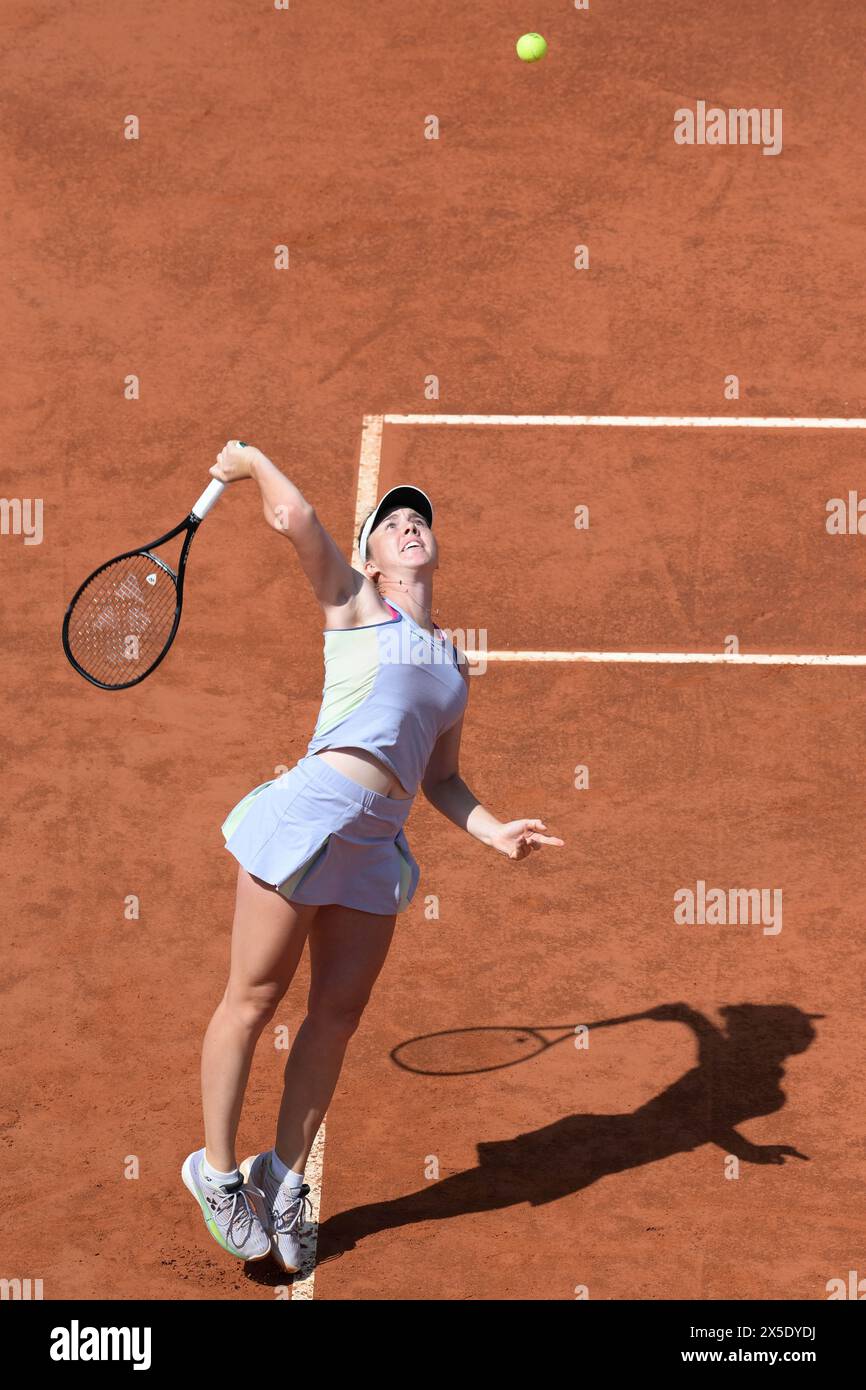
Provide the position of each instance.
(391, 688)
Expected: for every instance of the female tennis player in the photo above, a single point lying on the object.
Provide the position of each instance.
(321, 851)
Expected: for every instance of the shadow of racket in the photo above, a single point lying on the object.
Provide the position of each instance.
(488, 1047)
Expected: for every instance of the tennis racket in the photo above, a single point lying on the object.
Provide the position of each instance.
(122, 620)
(465, 1051)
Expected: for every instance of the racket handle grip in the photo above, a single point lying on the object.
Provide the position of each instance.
(213, 490)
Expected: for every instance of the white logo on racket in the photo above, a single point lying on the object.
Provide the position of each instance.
(129, 588)
(151, 579)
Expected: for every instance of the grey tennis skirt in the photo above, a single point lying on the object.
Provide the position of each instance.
(319, 838)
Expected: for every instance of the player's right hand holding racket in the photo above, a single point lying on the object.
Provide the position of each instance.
(282, 501)
(235, 461)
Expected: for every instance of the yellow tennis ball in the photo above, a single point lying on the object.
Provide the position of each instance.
(531, 47)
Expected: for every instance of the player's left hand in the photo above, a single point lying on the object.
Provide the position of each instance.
(518, 838)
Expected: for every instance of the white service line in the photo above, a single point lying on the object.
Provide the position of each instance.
(676, 658)
(304, 1282)
(755, 422)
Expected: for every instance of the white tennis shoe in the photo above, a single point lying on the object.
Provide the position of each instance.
(286, 1210)
(234, 1214)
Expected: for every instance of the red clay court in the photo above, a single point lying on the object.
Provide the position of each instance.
(147, 322)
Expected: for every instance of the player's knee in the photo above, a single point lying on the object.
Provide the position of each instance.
(253, 1005)
(335, 1016)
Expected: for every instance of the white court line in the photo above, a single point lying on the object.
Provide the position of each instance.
(304, 1282)
(755, 422)
(368, 477)
(677, 658)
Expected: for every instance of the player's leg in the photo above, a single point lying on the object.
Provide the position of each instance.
(347, 951)
(268, 939)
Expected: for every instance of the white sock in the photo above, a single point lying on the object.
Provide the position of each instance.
(215, 1177)
(282, 1172)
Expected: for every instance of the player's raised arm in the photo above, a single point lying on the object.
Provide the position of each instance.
(285, 508)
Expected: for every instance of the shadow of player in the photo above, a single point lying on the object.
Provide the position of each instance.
(736, 1079)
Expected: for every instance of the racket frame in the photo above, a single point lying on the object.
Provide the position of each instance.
(190, 524)
(536, 1030)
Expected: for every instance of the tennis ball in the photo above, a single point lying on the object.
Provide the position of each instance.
(531, 47)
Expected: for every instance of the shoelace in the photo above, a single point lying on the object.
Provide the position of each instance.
(288, 1217)
(243, 1213)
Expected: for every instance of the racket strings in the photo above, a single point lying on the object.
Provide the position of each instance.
(122, 619)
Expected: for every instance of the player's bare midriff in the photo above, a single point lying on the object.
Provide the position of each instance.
(366, 769)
